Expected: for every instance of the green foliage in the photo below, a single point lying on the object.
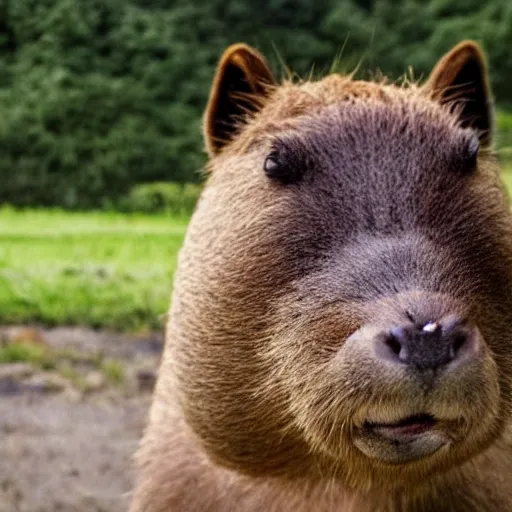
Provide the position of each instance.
(98, 96)
(86, 109)
(173, 198)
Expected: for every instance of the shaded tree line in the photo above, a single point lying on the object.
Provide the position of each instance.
(99, 95)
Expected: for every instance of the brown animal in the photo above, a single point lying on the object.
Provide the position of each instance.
(340, 337)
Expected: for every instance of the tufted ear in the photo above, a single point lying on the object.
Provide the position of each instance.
(461, 77)
(240, 84)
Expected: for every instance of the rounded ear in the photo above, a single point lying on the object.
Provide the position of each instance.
(460, 78)
(241, 82)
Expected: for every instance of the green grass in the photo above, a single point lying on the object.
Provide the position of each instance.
(25, 353)
(69, 364)
(507, 179)
(113, 370)
(98, 269)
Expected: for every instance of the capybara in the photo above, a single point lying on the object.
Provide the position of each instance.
(340, 335)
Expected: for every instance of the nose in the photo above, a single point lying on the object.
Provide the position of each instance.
(428, 346)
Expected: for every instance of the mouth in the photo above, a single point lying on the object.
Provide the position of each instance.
(408, 439)
(403, 430)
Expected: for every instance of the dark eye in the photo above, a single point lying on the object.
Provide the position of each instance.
(280, 168)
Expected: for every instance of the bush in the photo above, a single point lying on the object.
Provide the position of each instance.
(98, 96)
(173, 198)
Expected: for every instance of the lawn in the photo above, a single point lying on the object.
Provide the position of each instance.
(99, 269)
(507, 180)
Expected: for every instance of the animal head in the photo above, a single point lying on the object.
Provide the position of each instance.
(343, 301)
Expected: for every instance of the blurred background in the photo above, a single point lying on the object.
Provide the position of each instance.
(100, 159)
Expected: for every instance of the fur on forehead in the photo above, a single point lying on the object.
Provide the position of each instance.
(290, 105)
(386, 127)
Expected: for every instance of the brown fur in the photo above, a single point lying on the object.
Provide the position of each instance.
(267, 376)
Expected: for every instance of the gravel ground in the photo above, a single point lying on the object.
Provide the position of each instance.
(65, 447)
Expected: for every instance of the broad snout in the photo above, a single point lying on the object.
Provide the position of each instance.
(418, 331)
(434, 345)
(431, 367)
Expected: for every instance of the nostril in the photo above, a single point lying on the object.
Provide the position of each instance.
(458, 340)
(428, 346)
(393, 344)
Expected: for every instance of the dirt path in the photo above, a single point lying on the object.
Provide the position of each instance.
(67, 434)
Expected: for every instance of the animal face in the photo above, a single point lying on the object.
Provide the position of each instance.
(343, 302)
